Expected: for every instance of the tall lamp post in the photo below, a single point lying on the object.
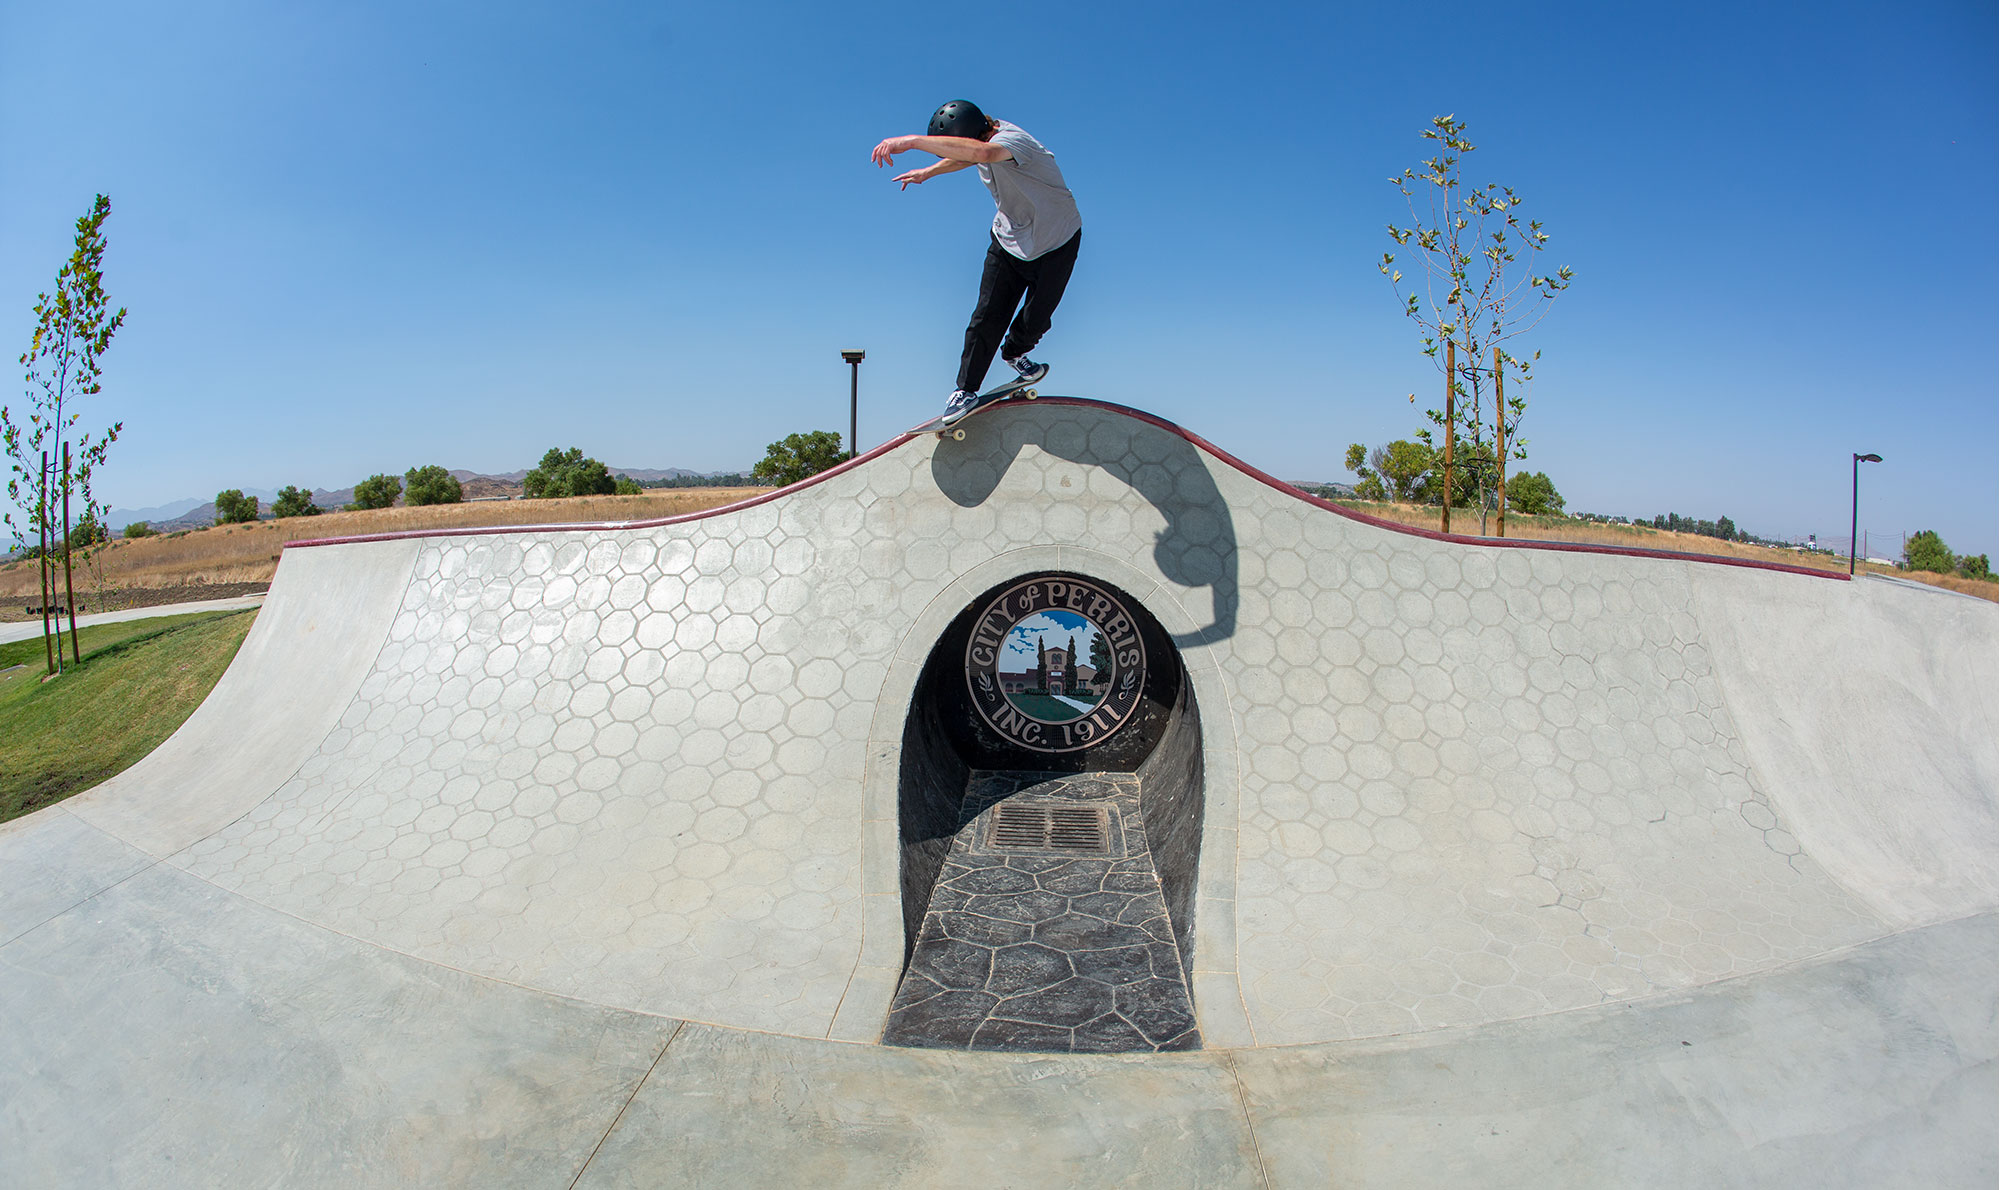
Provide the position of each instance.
(1854, 514)
(854, 356)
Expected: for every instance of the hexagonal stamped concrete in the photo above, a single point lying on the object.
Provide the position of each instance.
(653, 767)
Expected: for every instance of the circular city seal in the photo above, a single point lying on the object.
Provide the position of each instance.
(1055, 664)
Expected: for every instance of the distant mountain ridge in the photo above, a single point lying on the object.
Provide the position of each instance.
(194, 513)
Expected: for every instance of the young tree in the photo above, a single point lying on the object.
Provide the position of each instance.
(377, 491)
(232, 507)
(798, 457)
(291, 502)
(139, 529)
(73, 330)
(429, 484)
(1468, 238)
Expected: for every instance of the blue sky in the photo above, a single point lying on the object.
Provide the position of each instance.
(359, 237)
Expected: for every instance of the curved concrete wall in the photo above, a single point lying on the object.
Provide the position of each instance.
(655, 767)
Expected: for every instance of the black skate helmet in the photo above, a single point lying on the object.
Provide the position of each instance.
(960, 117)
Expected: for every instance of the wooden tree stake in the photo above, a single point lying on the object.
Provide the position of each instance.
(1500, 440)
(1450, 420)
(69, 583)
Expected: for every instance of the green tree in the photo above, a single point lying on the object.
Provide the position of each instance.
(1468, 238)
(1405, 467)
(1976, 566)
(88, 532)
(233, 507)
(1100, 657)
(1925, 550)
(1370, 487)
(627, 486)
(1534, 494)
(567, 473)
(139, 529)
(293, 501)
(377, 491)
(798, 457)
(431, 484)
(73, 330)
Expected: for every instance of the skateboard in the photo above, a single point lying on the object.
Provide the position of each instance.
(986, 400)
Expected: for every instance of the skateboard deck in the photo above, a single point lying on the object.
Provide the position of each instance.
(986, 400)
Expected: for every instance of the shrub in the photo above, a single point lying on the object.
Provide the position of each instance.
(432, 484)
(88, 531)
(140, 529)
(567, 473)
(233, 507)
(377, 491)
(1925, 550)
(1533, 494)
(294, 502)
(798, 457)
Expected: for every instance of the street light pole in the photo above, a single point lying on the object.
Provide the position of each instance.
(1854, 512)
(854, 356)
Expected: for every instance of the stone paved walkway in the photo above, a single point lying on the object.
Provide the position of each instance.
(1046, 948)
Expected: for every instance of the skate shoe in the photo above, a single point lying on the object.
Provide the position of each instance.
(960, 404)
(1030, 370)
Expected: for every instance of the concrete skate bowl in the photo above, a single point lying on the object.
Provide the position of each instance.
(1050, 843)
(583, 855)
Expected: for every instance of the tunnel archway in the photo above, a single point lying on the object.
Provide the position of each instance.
(1050, 804)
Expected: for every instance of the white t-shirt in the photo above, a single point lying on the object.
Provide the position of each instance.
(1037, 212)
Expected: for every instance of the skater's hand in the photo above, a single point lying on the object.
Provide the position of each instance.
(915, 177)
(886, 152)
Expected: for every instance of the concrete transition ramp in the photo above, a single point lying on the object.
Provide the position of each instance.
(1260, 844)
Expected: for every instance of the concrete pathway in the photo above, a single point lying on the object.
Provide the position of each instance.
(33, 628)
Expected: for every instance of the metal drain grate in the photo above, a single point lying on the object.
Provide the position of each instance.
(1050, 827)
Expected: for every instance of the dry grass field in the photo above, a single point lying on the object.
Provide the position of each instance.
(1540, 528)
(230, 559)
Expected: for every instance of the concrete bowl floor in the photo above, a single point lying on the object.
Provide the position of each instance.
(569, 856)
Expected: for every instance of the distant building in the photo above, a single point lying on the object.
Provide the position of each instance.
(1056, 672)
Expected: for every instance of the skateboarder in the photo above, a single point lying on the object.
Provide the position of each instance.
(1036, 232)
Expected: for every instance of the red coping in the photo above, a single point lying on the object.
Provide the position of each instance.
(1140, 415)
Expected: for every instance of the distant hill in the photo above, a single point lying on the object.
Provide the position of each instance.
(194, 513)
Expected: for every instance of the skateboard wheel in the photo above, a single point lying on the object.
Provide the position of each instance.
(958, 435)
(1030, 393)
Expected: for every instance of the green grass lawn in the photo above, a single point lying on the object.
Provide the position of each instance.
(139, 681)
(1041, 706)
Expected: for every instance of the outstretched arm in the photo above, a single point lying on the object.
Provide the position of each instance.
(935, 169)
(950, 148)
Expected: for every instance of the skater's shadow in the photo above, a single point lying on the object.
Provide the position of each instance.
(1198, 546)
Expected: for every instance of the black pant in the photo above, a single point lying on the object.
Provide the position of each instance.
(1006, 278)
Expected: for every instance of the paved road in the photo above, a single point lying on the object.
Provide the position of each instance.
(530, 857)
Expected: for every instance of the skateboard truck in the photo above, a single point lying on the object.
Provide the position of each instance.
(992, 396)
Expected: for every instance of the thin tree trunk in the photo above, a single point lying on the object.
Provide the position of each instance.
(42, 549)
(69, 582)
